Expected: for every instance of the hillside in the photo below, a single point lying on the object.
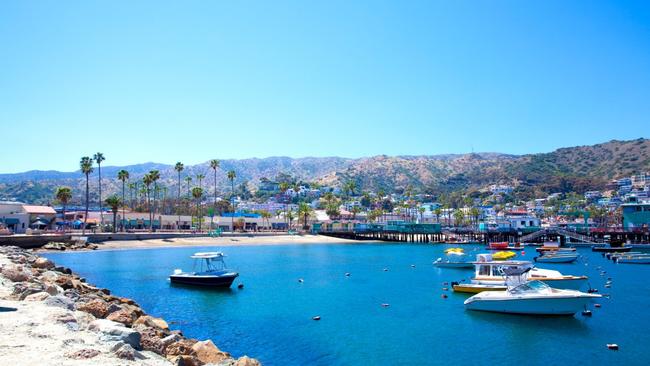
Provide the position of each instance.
(568, 169)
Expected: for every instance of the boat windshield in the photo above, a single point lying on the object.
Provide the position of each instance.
(532, 286)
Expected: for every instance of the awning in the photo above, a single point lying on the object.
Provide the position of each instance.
(10, 221)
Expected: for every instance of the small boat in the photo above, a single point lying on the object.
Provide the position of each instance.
(502, 256)
(610, 248)
(556, 258)
(614, 255)
(456, 258)
(533, 298)
(503, 245)
(211, 272)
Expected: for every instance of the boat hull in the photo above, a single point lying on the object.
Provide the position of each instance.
(532, 306)
(558, 259)
(205, 281)
(574, 283)
(633, 260)
(453, 265)
(611, 249)
(475, 288)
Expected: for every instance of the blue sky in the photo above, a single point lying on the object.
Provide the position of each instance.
(194, 80)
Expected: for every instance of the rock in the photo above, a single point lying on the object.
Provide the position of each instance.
(133, 308)
(207, 352)
(122, 316)
(60, 302)
(65, 282)
(113, 308)
(53, 290)
(49, 276)
(54, 246)
(83, 354)
(16, 273)
(84, 319)
(116, 332)
(71, 294)
(126, 352)
(97, 308)
(247, 361)
(150, 321)
(64, 270)
(24, 289)
(65, 318)
(182, 347)
(39, 296)
(170, 339)
(124, 300)
(43, 263)
(151, 340)
(184, 360)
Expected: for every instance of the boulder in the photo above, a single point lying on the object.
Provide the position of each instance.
(43, 263)
(115, 332)
(84, 319)
(122, 316)
(24, 289)
(39, 296)
(96, 307)
(151, 340)
(182, 347)
(83, 354)
(247, 361)
(60, 302)
(151, 321)
(49, 276)
(113, 308)
(184, 360)
(126, 352)
(16, 273)
(133, 308)
(207, 352)
(65, 282)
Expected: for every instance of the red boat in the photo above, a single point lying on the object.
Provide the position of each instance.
(502, 245)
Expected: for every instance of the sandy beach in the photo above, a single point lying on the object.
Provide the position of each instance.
(228, 240)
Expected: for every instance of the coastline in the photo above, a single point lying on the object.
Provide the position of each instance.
(225, 241)
(52, 316)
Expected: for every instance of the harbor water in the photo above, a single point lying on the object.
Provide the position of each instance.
(271, 317)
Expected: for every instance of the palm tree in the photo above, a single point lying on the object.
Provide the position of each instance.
(147, 180)
(197, 193)
(422, 210)
(114, 202)
(284, 186)
(63, 195)
(231, 177)
(200, 178)
(179, 168)
(154, 175)
(349, 187)
(133, 187)
(266, 216)
(188, 180)
(437, 212)
(304, 211)
(214, 164)
(123, 175)
(86, 166)
(99, 157)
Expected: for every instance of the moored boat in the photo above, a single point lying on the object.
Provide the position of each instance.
(456, 258)
(633, 259)
(556, 258)
(211, 272)
(533, 298)
(610, 248)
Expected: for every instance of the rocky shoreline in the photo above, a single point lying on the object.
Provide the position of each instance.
(103, 329)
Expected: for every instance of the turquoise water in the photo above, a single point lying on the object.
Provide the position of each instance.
(271, 318)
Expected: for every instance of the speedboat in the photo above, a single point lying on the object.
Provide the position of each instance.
(502, 256)
(211, 271)
(534, 298)
(557, 258)
(489, 275)
(456, 258)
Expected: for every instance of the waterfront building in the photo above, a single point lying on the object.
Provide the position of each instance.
(636, 214)
(19, 217)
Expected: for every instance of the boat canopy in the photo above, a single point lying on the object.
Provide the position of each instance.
(207, 255)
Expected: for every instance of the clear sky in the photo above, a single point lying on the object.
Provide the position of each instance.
(193, 80)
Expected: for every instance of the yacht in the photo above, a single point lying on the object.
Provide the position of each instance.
(549, 257)
(531, 297)
(209, 270)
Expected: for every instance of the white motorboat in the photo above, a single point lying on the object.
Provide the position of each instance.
(633, 259)
(490, 275)
(532, 297)
(456, 258)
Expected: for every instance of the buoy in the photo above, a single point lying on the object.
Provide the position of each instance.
(385, 269)
(592, 290)
(445, 283)
(385, 305)
(240, 286)
(445, 289)
(596, 305)
(412, 265)
(586, 313)
(347, 274)
(523, 252)
(301, 280)
(444, 296)
(317, 317)
(612, 346)
(608, 285)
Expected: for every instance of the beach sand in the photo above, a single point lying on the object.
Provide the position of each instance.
(227, 240)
